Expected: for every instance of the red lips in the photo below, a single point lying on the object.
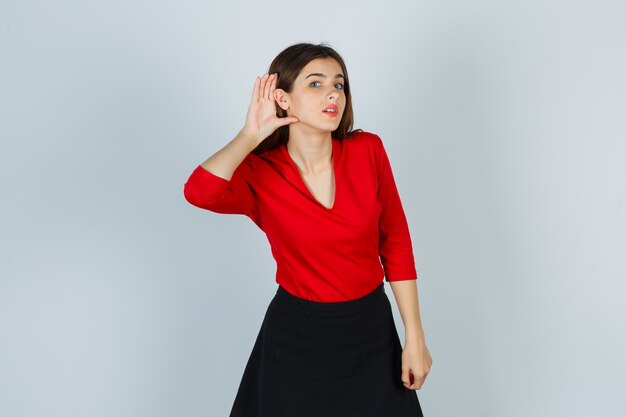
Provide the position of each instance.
(332, 110)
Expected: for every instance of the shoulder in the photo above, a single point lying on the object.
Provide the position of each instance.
(254, 165)
(246, 168)
(363, 136)
(368, 141)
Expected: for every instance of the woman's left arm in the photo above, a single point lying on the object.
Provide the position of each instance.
(416, 359)
(396, 255)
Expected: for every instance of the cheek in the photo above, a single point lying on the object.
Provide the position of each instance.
(306, 105)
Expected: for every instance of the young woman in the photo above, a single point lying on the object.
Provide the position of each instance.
(326, 198)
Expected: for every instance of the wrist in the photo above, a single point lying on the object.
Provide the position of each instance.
(249, 136)
(414, 336)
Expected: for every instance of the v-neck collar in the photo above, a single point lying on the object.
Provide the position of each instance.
(335, 158)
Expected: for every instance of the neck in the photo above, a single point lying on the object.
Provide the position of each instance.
(312, 152)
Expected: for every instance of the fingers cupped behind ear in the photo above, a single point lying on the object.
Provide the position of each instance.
(262, 87)
(271, 95)
(270, 83)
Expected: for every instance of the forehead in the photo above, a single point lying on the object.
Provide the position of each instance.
(327, 66)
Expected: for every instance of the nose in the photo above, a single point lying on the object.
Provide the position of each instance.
(333, 95)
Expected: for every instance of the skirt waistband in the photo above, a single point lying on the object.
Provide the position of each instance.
(283, 295)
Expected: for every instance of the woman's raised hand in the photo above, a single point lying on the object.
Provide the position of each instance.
(261, 120)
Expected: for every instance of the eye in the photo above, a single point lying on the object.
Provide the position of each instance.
(338, 86)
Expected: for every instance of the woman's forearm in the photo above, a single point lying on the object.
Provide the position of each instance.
(225, 161)
(405, 293)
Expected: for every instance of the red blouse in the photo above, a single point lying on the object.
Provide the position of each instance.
(321, 254)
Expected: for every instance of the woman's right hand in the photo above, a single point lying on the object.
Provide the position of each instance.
(261, 120)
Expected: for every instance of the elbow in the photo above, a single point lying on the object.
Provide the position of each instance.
(193, 197)
(201, 199)
(189, 195)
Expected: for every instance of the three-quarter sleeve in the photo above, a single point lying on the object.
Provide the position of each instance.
(208, 191)
(395, 246)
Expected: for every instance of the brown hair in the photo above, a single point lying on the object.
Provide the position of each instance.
(288, 65)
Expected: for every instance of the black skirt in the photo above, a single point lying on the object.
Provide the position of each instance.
(318, 359)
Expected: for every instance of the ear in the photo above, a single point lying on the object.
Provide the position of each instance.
(282, 98)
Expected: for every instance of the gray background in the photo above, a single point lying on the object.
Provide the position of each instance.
(505, 125)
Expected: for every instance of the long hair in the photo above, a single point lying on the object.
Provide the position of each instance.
(288, 65)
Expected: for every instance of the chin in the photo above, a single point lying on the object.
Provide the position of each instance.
(326, 127)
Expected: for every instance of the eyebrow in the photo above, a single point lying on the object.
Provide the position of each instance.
(319, 74)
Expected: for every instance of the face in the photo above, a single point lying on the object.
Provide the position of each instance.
(316, 92)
